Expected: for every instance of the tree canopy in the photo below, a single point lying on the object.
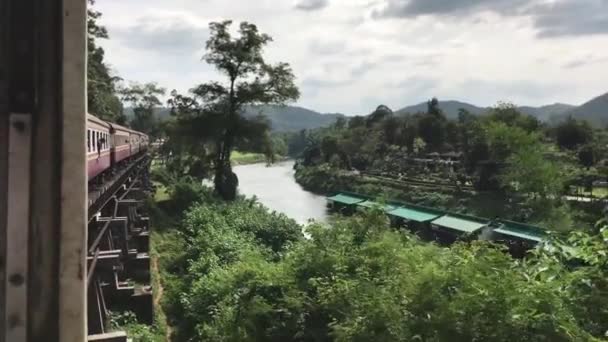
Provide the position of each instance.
(101, 83)
(211, 115)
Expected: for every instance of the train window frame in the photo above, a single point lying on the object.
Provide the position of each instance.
(93, 142)
(88, 140)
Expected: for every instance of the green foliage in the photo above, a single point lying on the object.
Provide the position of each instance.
(210, 122)
(127, 321)
(572, 133)
(144, 99)
(530, 172)
(101, 84)
(358, 280)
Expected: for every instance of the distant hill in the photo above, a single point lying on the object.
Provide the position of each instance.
(449, 108)
(291, 118)
(282, 118)
(544, 113)
(594, 111)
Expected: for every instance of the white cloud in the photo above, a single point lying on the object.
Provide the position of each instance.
(348, 60)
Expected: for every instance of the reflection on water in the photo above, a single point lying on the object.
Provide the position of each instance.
(276, 188)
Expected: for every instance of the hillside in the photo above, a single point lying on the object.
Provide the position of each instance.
(451, 108)
(291, 118)
(544, 113)
(594, 111)
(282, 118)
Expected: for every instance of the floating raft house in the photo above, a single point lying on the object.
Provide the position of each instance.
(443, 220)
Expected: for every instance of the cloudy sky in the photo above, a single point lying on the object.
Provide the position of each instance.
(351, 55)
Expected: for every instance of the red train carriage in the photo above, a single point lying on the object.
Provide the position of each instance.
(144, 142)
(135, 142)
(98, 146)
(121, 147)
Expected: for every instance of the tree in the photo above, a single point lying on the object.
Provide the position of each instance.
(390, 128)
(101, 84)
(572, 133)
(378, 115)
(356, 121)
(510, 115)
(587, 155)
(531, 173)
(433, 108)
(329, 147)
(249, 81)
(340, 123)
(143, 98)
(432, 130)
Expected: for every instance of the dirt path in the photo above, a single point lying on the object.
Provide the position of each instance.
(158, 296)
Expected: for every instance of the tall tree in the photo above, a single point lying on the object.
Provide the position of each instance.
(572, 133)
(250, 80)
(101, 84)
(143, 99)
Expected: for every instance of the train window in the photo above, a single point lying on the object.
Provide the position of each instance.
(88, 140)
(93, 141)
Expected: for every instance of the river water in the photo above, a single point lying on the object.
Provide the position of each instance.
(276, 188)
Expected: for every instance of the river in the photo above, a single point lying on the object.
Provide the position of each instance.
(276, 188)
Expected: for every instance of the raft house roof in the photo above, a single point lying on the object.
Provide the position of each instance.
(463, 223)
(371, 204)
(416, 213)
(454, 221)
(520, 231)
(346, 199)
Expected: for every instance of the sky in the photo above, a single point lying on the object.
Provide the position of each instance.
(349, 56)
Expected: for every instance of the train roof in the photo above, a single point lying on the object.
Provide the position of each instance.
(112, 125)
(120, 127)
(97, 120)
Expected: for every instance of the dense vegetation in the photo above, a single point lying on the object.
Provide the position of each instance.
(531, 167)
(235, 272)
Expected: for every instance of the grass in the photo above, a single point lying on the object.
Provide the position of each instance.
(162, 194)
(597, 192)
(242, 158)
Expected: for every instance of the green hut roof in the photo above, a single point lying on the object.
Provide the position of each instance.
(371, 204)
(462, 223)
(521, 230)
(345, 199)
(414, 214)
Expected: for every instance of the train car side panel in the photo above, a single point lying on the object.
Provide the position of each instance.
(98, 146)
(121, 148)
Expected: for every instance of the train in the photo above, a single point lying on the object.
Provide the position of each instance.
(109, 144)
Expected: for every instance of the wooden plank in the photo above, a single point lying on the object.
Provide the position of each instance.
(17, 228)
(73, 234)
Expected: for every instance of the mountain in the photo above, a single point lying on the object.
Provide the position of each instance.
(449, 108)
(282, 118)
(291, 118)
(545, 113)
(594, 111)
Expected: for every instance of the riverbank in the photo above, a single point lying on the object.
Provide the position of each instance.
(245, 158)
(236, 271)
(325, 180)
